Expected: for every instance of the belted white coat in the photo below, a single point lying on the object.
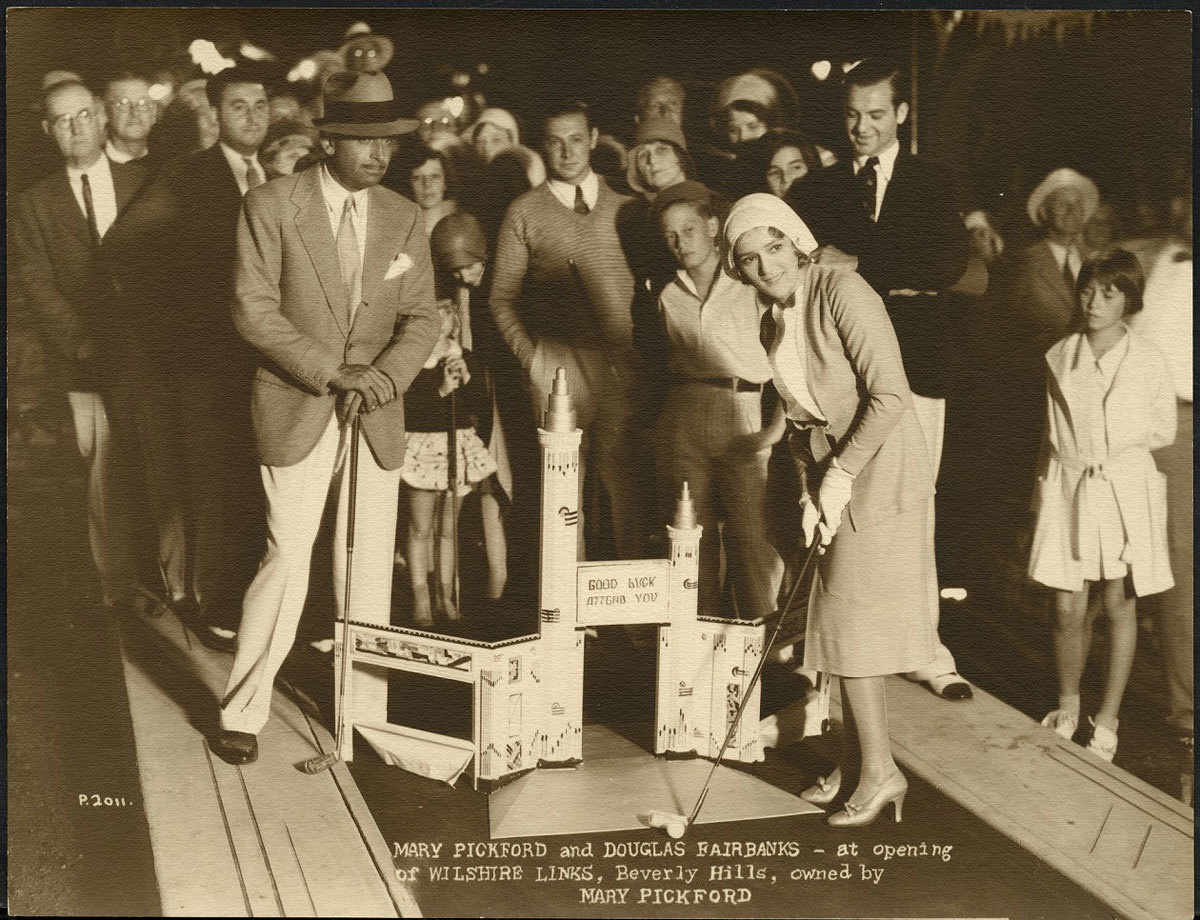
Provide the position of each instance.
(1139, 416)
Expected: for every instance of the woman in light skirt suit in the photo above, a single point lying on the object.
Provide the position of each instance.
(865, 476)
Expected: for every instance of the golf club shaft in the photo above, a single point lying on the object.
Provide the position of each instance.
(345, 671)
(737, 718)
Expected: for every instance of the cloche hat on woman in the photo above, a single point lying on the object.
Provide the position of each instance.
(657, 128)
(362, 105)
(763, 210)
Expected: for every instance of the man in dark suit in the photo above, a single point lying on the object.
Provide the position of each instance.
(889, 216)
(61, 227)
(177, 251)
(334, 292)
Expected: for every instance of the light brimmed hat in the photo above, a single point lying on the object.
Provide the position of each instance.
(649, 130)
(763, 210)
(499, 118)
(358, 44)
(1061, 179)
(362, 105)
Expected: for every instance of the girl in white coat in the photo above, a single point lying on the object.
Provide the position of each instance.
(1100, 502)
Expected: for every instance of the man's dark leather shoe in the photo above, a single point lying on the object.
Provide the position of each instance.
(235, 747)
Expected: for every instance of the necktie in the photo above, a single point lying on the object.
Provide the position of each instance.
(347, 250)
(867, 180)
(1068, 275)
(89, 209)
(580, 205)
(253, 180)
(767, 328)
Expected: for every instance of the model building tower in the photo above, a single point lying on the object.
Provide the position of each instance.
(679, 643)
(561, 654)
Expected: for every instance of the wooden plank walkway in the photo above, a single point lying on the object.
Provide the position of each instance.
(1116, 836)
(261, 840)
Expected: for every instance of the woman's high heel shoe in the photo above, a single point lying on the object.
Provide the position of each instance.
(894, 788)
(826, 789)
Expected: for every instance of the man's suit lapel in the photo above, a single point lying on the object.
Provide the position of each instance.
(1052, 277)
(894, 190)
(63, 205)
(312, 223)
(380, 218)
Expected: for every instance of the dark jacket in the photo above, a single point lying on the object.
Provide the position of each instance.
(68, 282)
(177, 252)
(917, 244)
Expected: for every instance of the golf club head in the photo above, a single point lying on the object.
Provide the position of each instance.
(320, 764)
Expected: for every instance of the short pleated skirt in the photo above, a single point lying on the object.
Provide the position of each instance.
(873, 598)
(427, 461)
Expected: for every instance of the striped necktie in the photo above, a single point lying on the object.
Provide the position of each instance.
(868, 179)
(253, 179)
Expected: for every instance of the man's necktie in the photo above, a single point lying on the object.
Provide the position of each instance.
(89, 210)
(1068, 275)
(580, 205)
(867, 180)
(347, 250)
(253, 180)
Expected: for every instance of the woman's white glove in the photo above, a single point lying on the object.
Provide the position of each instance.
(810, 516)
(832, 499)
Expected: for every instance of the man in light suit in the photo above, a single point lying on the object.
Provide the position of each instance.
(334, 291)
(888, 215)
(60, 233)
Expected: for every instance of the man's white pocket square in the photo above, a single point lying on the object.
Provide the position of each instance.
(399, 266)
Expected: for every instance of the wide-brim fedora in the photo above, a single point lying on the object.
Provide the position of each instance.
(362, 105)
(1060, 179)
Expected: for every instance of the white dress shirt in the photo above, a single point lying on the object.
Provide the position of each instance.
(104, 196)
(239, 167)
(883, 173)
(565, 191)
(335, 200)
(716, 336)
(788, 356)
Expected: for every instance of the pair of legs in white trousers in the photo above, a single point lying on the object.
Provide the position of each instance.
(296, 497)
(931, 414)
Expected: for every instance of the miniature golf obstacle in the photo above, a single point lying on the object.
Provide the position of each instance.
(528, 691)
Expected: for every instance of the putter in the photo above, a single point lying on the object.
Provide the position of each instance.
(676, 824)
(324, 761)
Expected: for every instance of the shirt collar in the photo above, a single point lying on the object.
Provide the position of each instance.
(1086, 358)
(565, 191)
(686, 282)
(887, 161)
(97, 170)
(237, 162)
(336, 194)
(118, 156)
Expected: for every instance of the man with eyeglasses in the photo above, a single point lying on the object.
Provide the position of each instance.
(131, 115)
(61, 228)
(334, 292)
(176, 252)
